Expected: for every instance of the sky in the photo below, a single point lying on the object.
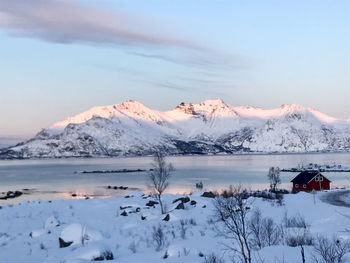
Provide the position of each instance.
(62, 57)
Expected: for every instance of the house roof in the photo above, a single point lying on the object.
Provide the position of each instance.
(305, 177)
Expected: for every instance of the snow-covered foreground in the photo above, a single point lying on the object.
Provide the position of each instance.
(125, 229)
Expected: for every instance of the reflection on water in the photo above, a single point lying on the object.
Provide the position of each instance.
(59, 179)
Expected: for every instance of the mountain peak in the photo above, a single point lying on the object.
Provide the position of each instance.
(292, 107)
(210, 107)
(137, 110)
(212, 102)
(130, 105)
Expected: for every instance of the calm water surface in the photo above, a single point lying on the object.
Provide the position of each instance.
(58, 179)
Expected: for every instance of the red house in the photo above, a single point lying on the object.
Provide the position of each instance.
(310, 180)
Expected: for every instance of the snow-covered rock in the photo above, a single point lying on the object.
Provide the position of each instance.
(209, 127)
(77, 234)
(51, 222)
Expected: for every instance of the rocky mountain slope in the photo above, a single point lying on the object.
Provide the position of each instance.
(210, 127)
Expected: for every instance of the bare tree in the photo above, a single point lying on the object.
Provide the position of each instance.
(274, 177)
(159, 177)
(232, 212)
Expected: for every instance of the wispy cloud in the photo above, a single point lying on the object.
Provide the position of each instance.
(204, 58)
(70, 21)
(66, 21)
(184, 88)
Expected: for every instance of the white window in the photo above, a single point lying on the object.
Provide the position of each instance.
(319, 178)
(296, 186)
(304, 185)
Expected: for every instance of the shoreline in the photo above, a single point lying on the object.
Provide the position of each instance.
(176, 155)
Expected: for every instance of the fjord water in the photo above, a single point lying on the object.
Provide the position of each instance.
(60, 178)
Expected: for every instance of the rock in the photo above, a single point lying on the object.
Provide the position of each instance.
(138, 209)
(64, 243)
(143, 217)
(124, 213)
(109, 187)
(208, 194)
(11, 194)
(182, 199)
(124, 207)
(193, 202)
(105, 255)
(151, 203)
(204, 206)
(74, 195)
(180, 206)
(167, 217)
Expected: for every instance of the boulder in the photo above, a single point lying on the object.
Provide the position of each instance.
(182, 199)
(208, 194)
(193, 202)
(64, 243)
(180, 206)
(11, 194)
(152, 203)
(167, 217)
(125, 207)
(105, 255)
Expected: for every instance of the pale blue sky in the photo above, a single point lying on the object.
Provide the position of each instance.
(56, 62)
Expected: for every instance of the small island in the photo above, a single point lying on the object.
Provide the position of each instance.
(318, 167)
(114, 171)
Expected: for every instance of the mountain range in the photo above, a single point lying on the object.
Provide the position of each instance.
(209, 127)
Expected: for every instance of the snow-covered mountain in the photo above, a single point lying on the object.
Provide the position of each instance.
(210, 127)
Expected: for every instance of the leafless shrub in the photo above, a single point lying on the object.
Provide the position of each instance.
(271, 231)
(330, 250)
(183, 228)
(133, 247)
(159, 238)
(264, 231)
(186, 251)
(192, 222)
(299, 239)
(296, 221)
(159, 177)
(212, 258)
(232, 213)
(255, 227)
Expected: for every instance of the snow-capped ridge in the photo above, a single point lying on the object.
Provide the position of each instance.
(211, 126)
